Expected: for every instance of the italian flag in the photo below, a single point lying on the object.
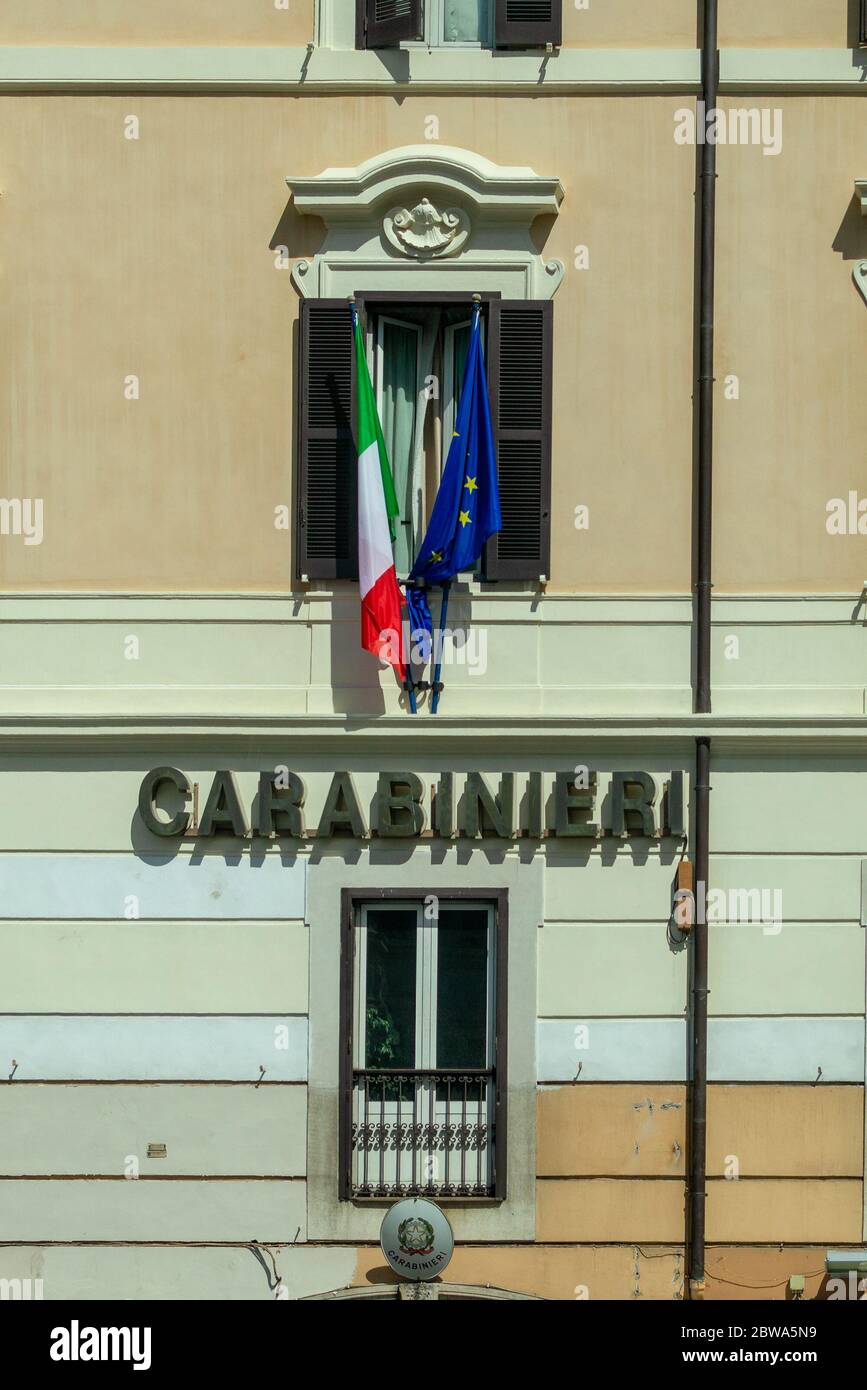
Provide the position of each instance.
(381, 623)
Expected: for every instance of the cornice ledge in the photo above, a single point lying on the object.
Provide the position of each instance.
(793, 69)
(253, 732)
(68, 67)
(495, 191)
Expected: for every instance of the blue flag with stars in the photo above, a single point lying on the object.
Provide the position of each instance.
(467, 507)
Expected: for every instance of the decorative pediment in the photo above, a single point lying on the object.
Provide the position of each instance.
(431, 211)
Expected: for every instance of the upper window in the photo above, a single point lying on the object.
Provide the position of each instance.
(417, 362)
(423, 1096)
(471, 23)
(417, 345)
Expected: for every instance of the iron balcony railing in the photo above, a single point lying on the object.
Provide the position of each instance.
(422, 1133)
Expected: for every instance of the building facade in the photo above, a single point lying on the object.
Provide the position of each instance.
(276, 950)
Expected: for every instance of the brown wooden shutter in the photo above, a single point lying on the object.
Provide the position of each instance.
(327, 502)
(527, 23)
(520, 355)
(386, 23)
(864, 21)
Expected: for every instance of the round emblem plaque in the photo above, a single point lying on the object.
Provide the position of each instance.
(416, 1239)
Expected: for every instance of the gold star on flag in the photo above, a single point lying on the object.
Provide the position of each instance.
(436, 555)
(464, 518)
(471, 485)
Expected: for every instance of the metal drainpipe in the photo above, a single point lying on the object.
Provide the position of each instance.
(697, 1197)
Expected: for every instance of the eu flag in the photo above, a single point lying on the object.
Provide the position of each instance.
(467, 507)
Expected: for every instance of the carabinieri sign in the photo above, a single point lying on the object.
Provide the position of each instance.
(573, 806)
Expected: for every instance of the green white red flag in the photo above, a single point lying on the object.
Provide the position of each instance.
(381, 600)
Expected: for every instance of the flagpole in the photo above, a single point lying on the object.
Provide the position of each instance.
(444, 606)
(435, 684)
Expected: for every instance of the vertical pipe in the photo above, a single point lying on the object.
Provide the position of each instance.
(698, 1017)
(697, 1190)
(707, 252)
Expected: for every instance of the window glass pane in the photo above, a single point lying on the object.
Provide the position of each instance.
(466, 21)
(462, 987)
(390, 996)
(399, 394)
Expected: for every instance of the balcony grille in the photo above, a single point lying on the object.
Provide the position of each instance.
(422, 1133)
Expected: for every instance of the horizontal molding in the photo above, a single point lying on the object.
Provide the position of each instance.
(793, 70)
(739, 1049)
(146, 732)
(175, 886)
(153, 1047)
(213, 1130)
(284, 69)
(161, 967)
(63, 1209)
(497, 603)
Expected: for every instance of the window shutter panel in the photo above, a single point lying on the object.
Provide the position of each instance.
(386, 23)
(864, 21)
(327, 532)
(527, 23)
(521, 358)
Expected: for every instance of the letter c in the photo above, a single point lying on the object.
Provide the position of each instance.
(147, 796)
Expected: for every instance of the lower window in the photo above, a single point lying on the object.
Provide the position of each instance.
(424, 1025)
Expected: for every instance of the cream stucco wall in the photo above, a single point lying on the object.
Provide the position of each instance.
(792, 327)
(151, 257)
(156, 22)
(604, 24)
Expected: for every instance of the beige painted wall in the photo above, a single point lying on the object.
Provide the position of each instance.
(630, 24)
(598, 1210)
(625, 1130)
(156, 22)
(151, 257)
(793, 328)
(611, 24)
(611, 1131)
(560, 1272)
(785, 1211)
(786, 23)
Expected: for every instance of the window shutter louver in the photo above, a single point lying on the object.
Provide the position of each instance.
(386, 23)
(327, 503)
(521, 358)
(527, 23)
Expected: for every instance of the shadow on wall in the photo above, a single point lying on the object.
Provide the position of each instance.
(297, 234)
(850, 241)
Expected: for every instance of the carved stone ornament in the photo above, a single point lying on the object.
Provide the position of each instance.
(434, 216)
(425, 233)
